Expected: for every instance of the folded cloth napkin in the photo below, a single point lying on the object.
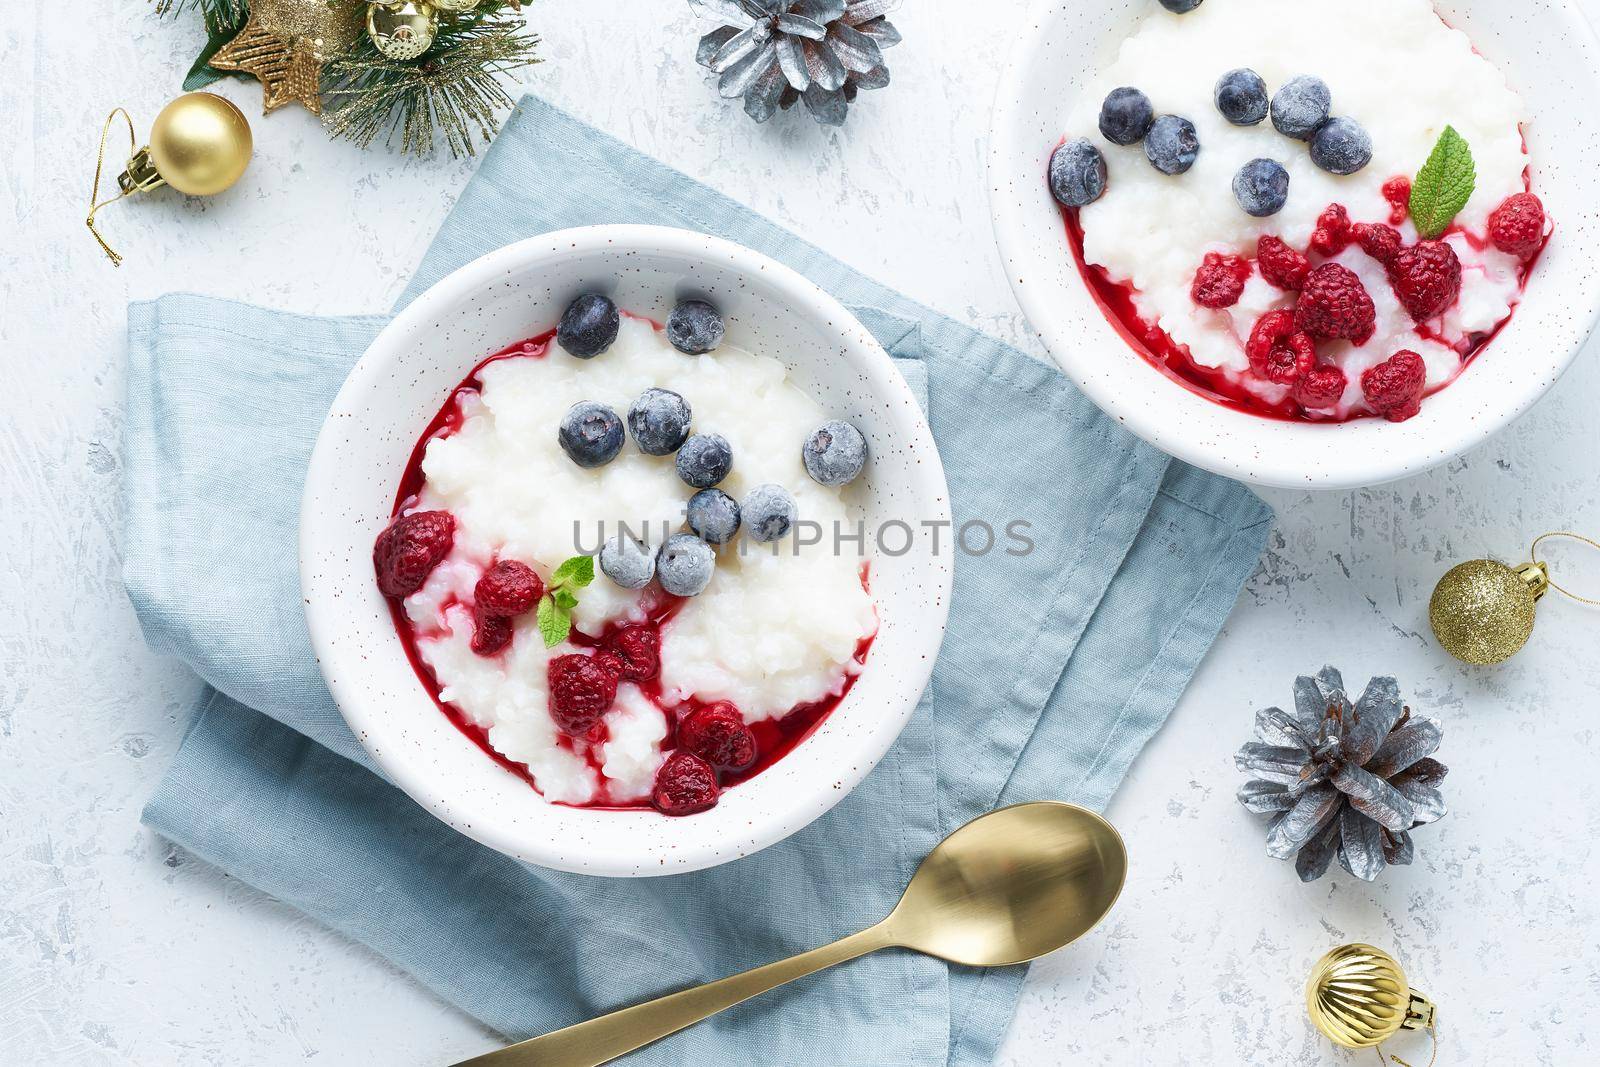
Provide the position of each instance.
(1058, 665)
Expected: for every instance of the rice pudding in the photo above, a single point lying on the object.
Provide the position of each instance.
(688, 660)
(1295, 237)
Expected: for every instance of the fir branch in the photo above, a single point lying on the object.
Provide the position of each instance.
(453, 88)
(219, 14)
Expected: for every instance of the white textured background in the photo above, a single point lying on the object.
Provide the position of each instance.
(116, 949)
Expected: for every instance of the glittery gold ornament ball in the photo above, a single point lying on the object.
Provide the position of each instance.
(455, 5)
(404, 30)
(1482, 611)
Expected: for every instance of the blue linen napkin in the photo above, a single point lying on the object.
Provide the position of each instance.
(1058, 665)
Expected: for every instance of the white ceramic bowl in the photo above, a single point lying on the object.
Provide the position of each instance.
(406, 376)
(1547, 50)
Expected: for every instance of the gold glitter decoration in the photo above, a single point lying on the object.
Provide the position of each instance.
(286, 43)
(1482, 611)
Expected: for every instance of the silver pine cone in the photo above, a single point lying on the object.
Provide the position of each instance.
(1352, 781)
(777, 52)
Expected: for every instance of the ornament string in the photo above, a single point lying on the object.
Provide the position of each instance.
(1433, 1037)
(1591, 542)
(95, 203)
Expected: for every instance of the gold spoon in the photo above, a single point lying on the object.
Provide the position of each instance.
(1005, 888)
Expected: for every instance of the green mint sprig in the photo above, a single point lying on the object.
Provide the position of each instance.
(555, 607)
(1443, 185)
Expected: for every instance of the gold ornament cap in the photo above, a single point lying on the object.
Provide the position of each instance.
(402, 31)
(1482, 611)
(1358, 997)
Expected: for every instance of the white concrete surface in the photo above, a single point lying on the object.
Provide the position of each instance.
(115, 949)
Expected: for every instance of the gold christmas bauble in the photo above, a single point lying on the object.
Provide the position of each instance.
(403, 30)
(455, 5)
(200, 145)
(1482, 611)
(1359, 998)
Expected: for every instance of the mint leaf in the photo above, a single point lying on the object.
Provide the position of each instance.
(555, 622)
(575, 573)
(565, 598)
(1443, 185)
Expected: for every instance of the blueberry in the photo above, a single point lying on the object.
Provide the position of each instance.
(1077, 173)
(1301, 106)
(704, 460)
(590, 434)
(1172, 144)
(714, 516)
(627, 562)
(659, 420)
(1126, 116)
(589, 326)
(1242, 97)
(1341, 146)
(684, 565)
(1180, 7)
(694, 327)
(1261, 187)
(769, 512)
(835, 454)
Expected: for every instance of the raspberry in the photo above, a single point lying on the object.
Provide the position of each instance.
(636, 650)
(1517, 225)
(1394, 387)
(684, 785)
(581, 691)
(611, 662)
(490, 633)
(1334, 304)
(1281, 265)
(508, 589)
(1426, 278)
(1278, 352)
(409, 548)
(1379, 241)
(1398, 192)
(1220, 281)
(1319, 387)
(1332, 234)
(717, 734)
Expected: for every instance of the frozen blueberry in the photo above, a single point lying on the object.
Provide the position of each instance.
(769, 511)
(714, 516)
(1301, 106)
(1341, 146)
(1172, 145)
(1180, 7)
(589, 326)
(1126, 116)
(704, 460)
(1077, 173)
(684, 565)
(627, 562)
(694, 327)
(590, 434)
(1242, 97)
(835, 454)
(659, 420)
(1261, 187)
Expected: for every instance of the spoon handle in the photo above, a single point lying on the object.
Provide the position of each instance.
(601, 1040)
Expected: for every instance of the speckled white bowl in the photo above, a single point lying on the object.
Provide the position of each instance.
(1547, 50)
(401, 382)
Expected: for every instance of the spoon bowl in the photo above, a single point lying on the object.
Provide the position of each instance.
(1005, 888)
(1012, 885)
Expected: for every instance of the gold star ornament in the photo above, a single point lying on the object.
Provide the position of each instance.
(285, 44)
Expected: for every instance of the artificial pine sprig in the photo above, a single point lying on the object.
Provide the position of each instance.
(453, 88)
(223, 19)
